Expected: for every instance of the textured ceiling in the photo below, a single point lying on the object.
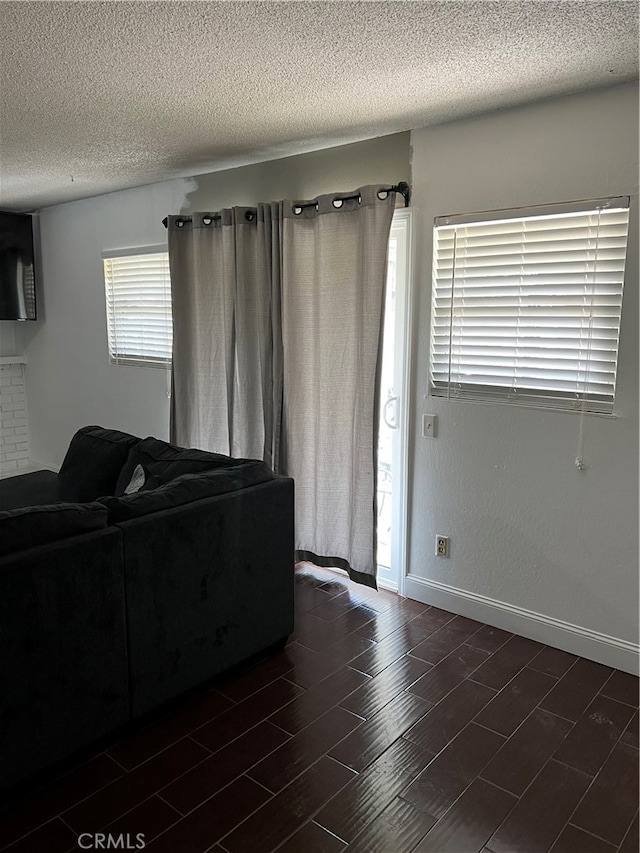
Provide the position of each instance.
(98, 96)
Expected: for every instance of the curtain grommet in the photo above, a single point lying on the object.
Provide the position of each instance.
(207, 220)
(297, 209)
(179, 223)
(383, 194)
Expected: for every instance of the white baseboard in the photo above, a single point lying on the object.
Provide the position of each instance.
(614, 652)
(30, 468)
(34, 465)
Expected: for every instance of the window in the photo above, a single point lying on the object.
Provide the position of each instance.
(526, 305)
(138, 297)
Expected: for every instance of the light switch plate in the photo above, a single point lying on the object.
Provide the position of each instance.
(429, 424)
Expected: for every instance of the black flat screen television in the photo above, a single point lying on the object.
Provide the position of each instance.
(17, 276)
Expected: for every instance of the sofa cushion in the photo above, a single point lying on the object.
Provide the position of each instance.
(188, 488)
(165, 462)
(93, 463)
(29, 527)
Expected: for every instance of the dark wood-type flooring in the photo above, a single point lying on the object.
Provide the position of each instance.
(385, 726)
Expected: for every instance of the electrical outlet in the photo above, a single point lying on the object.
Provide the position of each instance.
(442, 545)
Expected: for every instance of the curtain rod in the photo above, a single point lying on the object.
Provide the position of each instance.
(403, 188)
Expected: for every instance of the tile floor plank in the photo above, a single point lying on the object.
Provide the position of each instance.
(469, 823)
(245, 715)
(299, 752)
(553, 661)
(623, 687)
(109, 803)
(217, 816)
(392, 646)
(259, 675)
(594, 735)
(143, 745)
(317, 700)
(380, 690)
(488, 639)
(312, 839)
(43, 805)
(335, 639)
(435, 618)
(574, 840)
(444, 676)
(575, 690)
(346, 814)
(336, 606)
(221, 768)
(54, 837)
(450, 716)
(286, 813)
(631, 842)
(526, 752)
(399, 827)
(440, 784)
(611, 802)
(542, 812)
(310, 666)
(445, 639)
(149, 819)
(377, 734)
(630, 736)
(501, 667)
(515, 701)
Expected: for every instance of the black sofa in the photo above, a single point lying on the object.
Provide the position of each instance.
(112, 604)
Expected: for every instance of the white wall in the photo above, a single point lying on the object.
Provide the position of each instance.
(528, 529)
(305, 176)
(70, 382)
(7, 337)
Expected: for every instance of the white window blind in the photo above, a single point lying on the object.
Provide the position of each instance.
(527, 308)
(138, 300)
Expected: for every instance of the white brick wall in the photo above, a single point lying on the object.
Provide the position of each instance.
(14, 441)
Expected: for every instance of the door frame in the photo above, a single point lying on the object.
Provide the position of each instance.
(404, 327)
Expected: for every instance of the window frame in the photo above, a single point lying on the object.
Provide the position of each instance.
(537, 397)
(134, 359)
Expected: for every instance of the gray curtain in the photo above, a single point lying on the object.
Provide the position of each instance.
(278, 317)
(225, 349)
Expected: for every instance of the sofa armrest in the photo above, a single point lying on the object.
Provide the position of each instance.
(63, 678)
(34, 489)
(208, 585)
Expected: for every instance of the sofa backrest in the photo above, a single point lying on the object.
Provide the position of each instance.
(93, 463)
(133, 477)
(162, 462)
(29, 527)
(187, 488)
